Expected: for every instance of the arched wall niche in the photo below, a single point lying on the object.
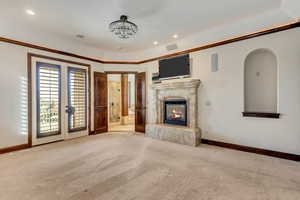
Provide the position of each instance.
(260, 84)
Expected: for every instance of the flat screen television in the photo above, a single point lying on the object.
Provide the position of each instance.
(174, 67)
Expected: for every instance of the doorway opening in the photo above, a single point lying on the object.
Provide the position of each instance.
(131, 97)
(121, 102)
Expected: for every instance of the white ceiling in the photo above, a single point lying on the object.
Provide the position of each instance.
(158, 20)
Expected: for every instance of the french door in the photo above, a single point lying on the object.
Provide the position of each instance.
(59, 101)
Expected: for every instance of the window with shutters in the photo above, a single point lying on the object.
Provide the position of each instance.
(48, 99)
(77, 99)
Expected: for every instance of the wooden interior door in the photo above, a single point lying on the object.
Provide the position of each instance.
(100, 103)
(124, 93)
(140, 103)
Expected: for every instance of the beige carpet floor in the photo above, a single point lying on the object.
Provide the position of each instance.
(131, 167)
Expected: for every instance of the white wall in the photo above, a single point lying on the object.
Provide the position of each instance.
(131, 80)
(221, 95)
(123, 68)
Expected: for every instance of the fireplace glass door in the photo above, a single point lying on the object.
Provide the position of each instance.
(175, 112)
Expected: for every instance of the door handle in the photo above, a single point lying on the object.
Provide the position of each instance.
(70, 110)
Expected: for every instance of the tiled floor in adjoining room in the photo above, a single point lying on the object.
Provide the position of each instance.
(129, 166)
(121, 128)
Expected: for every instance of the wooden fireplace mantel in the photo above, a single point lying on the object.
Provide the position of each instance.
(191, 83)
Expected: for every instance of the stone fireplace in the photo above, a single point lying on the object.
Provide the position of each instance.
(175, 112)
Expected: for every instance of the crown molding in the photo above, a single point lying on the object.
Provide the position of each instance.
(228, 41)
(211, 45)
(65, 53)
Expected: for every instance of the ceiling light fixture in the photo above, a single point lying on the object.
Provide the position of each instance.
(30, 12)
(155, 43)
(175, 36)
(123, 28)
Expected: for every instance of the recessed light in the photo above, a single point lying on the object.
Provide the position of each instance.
(155, 43)
(30, 12)
(175, 36)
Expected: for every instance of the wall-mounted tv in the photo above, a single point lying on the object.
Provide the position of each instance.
(174, 67)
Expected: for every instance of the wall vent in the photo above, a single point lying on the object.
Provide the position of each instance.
(214, 62)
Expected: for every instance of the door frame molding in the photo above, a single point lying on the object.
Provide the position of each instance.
(121, 73)
(29, 88)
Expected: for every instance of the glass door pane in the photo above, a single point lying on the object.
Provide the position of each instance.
(77, 99)
(48, 99)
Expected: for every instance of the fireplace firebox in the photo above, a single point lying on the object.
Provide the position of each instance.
(175, 112)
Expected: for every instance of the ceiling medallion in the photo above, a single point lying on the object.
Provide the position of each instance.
(123, 28)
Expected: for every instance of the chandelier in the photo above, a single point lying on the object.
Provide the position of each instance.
(123, 28)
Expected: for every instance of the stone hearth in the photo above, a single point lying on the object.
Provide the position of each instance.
(157, 129)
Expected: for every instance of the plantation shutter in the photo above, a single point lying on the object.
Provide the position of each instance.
(48, 99)
(77, 99)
